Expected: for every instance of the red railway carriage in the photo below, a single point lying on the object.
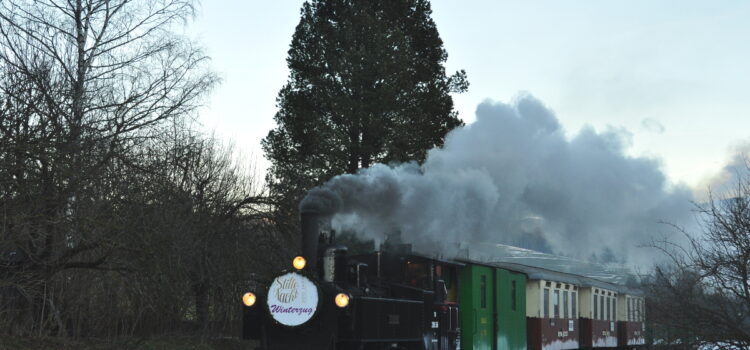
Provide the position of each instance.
(631, 328)
(598, 317)
(552, 315)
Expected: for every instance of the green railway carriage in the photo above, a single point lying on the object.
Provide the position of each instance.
(493, 308)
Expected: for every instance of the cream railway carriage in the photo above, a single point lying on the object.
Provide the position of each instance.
(630, 320)
(552, 314)
(598, 321)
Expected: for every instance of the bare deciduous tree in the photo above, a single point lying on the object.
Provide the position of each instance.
(212, 197)
(83, 84)
(703, 296)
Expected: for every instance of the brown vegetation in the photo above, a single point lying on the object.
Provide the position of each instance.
(702, 298)
(117, 217)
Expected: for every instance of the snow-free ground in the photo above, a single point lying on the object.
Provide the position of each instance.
(166, 343)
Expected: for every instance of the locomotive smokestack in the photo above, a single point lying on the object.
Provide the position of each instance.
(310, 226)
(319, 203)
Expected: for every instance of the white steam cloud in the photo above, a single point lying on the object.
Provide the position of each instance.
(512, 177)
(737, 170)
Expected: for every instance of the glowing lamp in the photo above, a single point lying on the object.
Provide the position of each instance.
(248, 299)
(299, 263)
(342, 300)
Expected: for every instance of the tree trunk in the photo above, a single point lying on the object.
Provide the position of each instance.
(354, 150)
(200, 289)
(366, 160)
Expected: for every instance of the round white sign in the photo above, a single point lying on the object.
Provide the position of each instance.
(292, 299)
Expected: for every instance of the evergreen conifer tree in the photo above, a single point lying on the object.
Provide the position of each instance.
(366, 85)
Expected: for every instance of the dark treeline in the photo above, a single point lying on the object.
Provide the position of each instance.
(118, 216)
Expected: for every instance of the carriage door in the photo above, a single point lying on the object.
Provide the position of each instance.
(477, 306)
(510, 310)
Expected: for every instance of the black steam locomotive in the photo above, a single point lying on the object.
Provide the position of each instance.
(390, 299)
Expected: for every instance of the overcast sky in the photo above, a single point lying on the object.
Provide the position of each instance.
(674, 74)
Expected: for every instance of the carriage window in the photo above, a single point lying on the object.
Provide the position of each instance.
(546, 302)
(574, 302)
(565, 304)
(483, 292)
(627, 309)
(630, 309)
(607, 311)
(614, 309)
(596, 307)
(637, 310)
(643, 310)
(640, 311)
(513, 295)
(556, 303)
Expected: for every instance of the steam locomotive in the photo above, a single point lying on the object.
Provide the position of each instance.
(394, 298)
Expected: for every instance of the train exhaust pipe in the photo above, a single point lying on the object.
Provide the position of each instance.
(310, 231)
(315, 211)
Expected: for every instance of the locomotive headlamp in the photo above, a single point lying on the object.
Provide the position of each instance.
(299, 263)
(248, 299)
(342, 300)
